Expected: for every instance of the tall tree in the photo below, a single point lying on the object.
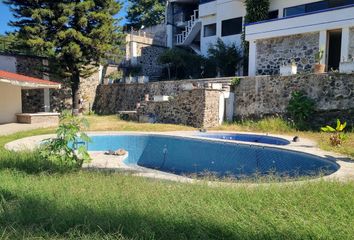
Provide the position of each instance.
(145, 13)
(78, 34)
(256, 10)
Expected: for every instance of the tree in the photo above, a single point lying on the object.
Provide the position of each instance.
(226, 58)
(79, 35)
(256, 10)
(145, 13)
(181, 63)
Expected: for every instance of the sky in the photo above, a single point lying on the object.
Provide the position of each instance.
(6, 16)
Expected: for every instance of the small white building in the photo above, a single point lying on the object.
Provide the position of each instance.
(295, 31)
(11, 85)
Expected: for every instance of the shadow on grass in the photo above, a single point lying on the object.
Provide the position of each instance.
(29, 162)
(46, 218)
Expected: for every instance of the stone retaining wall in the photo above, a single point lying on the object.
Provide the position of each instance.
(274, 52)
(197, 108)
(269, 95)
(123, 97)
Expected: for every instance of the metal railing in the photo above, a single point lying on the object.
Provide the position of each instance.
(180, 38)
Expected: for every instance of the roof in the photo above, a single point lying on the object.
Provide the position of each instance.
(25, 81)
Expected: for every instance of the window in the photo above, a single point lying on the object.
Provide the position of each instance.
(210, 30)
(291, 11)
(231, 27)
(339, 3)
(273, 14)
(316, 6)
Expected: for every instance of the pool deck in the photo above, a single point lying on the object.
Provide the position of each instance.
(100, 161)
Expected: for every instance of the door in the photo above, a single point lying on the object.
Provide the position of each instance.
(334, 49)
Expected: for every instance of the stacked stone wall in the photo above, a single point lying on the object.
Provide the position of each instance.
(275, 52)
(149, 59)
(333, 94)
(197, 108)
(124, 97)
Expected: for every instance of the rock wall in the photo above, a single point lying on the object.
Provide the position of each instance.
(123, 97)
(269, 95)
(197, 108)
(351, 43)
(144, 49)
(148, 59)
(274, 52)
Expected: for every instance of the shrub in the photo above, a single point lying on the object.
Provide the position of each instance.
(59, 151)
(182, 63)
(225, 57)
(300, 109)
(235, 81)
(337, 136)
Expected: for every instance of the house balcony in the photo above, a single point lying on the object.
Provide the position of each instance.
(329, 19)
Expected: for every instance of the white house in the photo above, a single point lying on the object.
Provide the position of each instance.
(11, 85)
(295, 31)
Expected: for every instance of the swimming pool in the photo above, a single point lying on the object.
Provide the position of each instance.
(190, 156)
(246, 138)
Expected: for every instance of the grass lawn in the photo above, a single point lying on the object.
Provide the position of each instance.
(37, 202)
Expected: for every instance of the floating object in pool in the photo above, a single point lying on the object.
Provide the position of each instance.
(296, 139)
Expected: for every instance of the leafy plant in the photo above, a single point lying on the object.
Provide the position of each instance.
(225, 57)
(181, 63)
(319, 55)
(256, 10)
(338, 136)
(64, 149)
(235, 81)
(300, 109)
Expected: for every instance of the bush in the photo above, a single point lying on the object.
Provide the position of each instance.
(300, 109)
(226, 58)
(59, 151)
(182, 63)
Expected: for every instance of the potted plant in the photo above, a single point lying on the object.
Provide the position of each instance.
(319, 68)
(288, 69)
(347, 66)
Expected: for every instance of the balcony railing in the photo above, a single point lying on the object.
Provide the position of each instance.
(334, 18)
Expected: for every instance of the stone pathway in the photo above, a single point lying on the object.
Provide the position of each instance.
(11, 128)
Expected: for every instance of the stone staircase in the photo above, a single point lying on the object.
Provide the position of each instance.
(191, 30)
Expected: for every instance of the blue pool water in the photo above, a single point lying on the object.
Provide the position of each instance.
(246, 138)
(185, 156)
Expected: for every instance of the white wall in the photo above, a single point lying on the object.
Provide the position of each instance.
(216, 12)
(219, 10)
(8, 63)
(10, 102)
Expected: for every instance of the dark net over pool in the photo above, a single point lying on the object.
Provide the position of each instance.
(186, 156)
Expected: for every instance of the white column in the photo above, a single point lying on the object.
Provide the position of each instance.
(323, 46)
(46, 100)
(345, 44)
(252, 64)
(134, 56)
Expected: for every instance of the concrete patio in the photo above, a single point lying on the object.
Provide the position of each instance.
(11, 128)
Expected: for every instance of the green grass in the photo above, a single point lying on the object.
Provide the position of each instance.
(38, 201)
(279, 126)
(99, 205)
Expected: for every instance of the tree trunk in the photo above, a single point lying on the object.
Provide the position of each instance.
(75, 84)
